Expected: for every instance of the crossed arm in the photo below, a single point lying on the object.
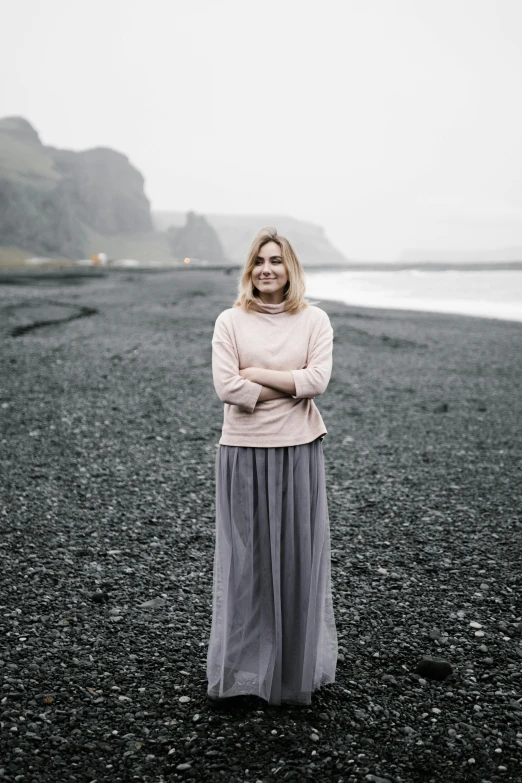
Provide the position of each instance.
(275, 383)
(250, 385)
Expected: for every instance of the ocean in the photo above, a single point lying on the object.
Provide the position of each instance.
(488, 294)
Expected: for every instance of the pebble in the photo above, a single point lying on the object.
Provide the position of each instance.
(183, 767)
(99, 597)
(434, 668)
(474, 624)
(154, 603)
(184, 699)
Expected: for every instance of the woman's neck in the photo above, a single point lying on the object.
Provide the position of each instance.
(271, 307)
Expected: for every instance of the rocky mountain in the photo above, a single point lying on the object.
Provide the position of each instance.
(105, 188)
(197, 239)
(237, 231)
(67, 204)
(52, 200)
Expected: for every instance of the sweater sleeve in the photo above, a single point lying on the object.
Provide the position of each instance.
(314, 379)
(230, 386)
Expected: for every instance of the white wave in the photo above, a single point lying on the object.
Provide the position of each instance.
(487, 294)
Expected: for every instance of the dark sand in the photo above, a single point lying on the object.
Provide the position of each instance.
(109, 429)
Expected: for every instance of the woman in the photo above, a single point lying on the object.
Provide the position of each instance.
(273, 631)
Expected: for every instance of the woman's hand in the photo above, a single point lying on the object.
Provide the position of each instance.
(248, 373)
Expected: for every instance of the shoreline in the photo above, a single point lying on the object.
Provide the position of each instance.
(387, 312)
(18, 276)
(365, 294)
(355, 266)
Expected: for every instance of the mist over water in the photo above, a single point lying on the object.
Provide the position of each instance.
(489, 294)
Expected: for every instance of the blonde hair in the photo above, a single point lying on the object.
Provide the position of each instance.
(294, 292)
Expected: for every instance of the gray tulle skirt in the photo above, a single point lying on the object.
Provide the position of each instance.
(273, 630)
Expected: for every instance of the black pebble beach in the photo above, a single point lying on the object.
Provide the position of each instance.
(109, 425)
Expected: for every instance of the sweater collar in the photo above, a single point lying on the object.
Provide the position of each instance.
(268, 307)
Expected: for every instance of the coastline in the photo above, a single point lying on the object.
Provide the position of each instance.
(487, 294)
(110, 422)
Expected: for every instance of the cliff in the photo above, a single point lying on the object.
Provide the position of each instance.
(237, 231)
(51, 200)
(62, 203)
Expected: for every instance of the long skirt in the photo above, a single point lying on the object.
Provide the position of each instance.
(273, 632)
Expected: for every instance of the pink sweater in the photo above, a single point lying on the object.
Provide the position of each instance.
(276, 340)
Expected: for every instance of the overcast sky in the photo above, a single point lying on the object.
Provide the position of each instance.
(395, 124)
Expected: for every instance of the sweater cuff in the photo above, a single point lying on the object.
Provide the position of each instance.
(251, 391)
(300, 384)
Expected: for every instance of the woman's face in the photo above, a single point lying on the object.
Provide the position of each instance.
(269, 274)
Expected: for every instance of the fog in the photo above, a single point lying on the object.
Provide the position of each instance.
(395, 125)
